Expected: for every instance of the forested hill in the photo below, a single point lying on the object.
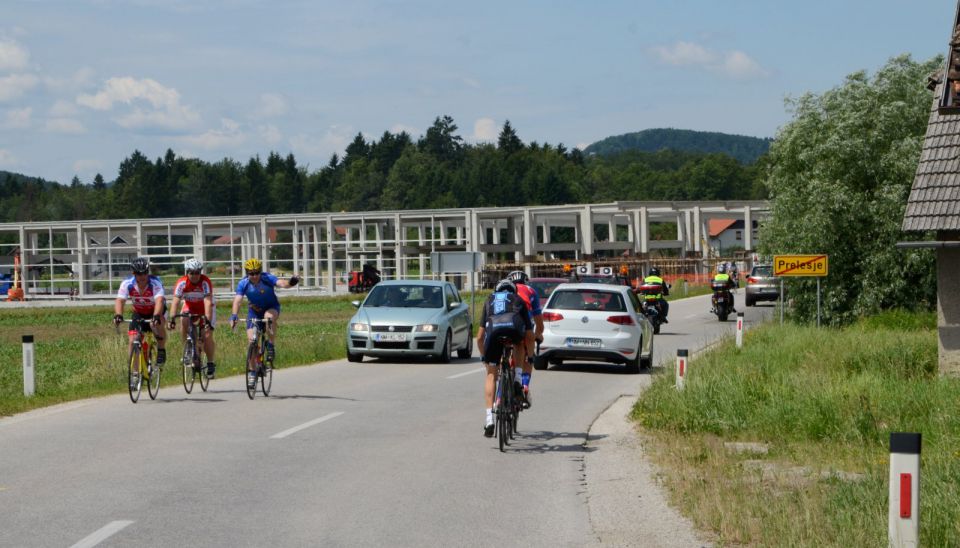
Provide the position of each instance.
(394, 172)
(744, 149)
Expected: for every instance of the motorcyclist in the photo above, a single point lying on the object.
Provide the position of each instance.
(722, 278)
(653, 278)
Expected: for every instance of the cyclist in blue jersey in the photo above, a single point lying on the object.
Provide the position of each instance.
(258, 287)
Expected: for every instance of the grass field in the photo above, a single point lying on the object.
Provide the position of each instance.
(824, 402)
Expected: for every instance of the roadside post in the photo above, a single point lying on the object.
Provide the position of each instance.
(681, 370)
(904, 514)
(28, 386)
(739, 329)
(800, 266)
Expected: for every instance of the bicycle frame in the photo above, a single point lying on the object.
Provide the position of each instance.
(141, 346)
(256, 348)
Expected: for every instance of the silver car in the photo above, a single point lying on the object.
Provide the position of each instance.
(410, 318)
(595, 322)
(761, 285)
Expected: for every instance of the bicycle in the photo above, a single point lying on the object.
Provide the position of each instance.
(507, 406)
(193, 362)
(141, 363)
(262, 368)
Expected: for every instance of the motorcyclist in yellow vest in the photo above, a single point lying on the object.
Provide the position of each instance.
(653, 278)
(724, 278)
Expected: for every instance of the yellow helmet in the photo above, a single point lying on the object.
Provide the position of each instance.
(253, 264)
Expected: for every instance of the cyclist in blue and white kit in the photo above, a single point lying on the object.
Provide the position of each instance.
(257, 287)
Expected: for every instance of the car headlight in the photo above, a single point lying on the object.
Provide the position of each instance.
(428, 327)
(359, 327)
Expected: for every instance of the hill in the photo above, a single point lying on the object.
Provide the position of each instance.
(744, 149)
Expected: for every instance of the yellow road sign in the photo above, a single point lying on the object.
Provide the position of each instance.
(800, 265)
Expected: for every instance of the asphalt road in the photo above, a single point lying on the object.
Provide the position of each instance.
(340, 454)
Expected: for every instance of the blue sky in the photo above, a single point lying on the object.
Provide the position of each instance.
(83, 83)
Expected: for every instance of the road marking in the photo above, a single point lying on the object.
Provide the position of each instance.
(690, 316)
(458, 375)
(307, 424)
(102, 534)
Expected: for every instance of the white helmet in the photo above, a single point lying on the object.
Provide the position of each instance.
(192, 264)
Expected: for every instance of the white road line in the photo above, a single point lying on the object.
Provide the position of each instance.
(458, 375)
(307, 424)
(690, 316)
(102, 534)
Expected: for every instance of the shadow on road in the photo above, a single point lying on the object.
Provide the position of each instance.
(546, 442)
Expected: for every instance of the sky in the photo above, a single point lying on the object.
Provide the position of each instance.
(84, 83)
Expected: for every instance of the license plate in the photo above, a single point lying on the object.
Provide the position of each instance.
(577, 341)
(389, 337)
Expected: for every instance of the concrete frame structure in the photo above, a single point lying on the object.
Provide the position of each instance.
(93, 256)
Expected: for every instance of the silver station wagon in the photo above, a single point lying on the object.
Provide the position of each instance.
(410, 318)
(595, 322)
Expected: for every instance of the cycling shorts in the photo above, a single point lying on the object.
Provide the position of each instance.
(494, 348)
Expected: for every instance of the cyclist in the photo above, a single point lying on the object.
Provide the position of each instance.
(504, 315)
(258, 287)
(653, 278)
(146, 296)
(196, 291)
(525, 351)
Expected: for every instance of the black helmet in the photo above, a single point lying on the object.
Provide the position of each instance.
(140, 265)
(518, 277)
(654, 271)
(505, 285)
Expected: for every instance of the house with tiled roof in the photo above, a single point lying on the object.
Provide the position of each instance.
(934, 204)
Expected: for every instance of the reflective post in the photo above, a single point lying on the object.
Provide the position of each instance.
(904, 512)
(28, 387)
(739, 329)
(781, 301)
(681, 370)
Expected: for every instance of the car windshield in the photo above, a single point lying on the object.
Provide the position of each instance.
(587, 299)
(544, 289)
(762, 271)
(405, 296)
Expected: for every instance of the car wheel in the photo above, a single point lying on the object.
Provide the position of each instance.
(540, 363)
(750, 302)
(633, 366)
(444, 356)
(466, 353)
(355, 358)
(656, 329)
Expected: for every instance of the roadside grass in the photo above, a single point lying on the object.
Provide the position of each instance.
(824, 402)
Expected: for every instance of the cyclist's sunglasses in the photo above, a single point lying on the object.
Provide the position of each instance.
(192, 272)
(253, 272)
(140, 273)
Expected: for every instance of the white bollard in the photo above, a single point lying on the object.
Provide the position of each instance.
(681, 367)
(904, 515)
(28, 365)
(739, 329)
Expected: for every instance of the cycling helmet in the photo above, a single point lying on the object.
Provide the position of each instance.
(518, 277)
(253, 264)
(654, 271)
(140, 265)
(192, 265)
(722, 269)
(506, 285)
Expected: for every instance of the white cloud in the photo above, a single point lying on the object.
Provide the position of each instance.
(18, 118)
(62, 109)
(271, 134)
(64, 125)
(229, 135)
(271, 106)
(484, 129)
(81, 79)
(335, 139)
(732, 64)
(15, 85)
(86, 166)
(163, 108)
(7, 159)
(12, 56)
(411, 131)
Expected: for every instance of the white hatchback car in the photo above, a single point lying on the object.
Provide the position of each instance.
(595, 322)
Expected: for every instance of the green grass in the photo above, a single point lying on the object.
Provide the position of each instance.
(821, 398)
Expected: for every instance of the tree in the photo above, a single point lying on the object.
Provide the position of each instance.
(508, 142)
(442, 142)
(840, 174)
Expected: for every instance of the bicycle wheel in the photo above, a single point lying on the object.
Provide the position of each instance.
(253, 355)
(188, 370)
(266, 377)
(501, 416)
(198, 361)
(153, 373)
(134, 381)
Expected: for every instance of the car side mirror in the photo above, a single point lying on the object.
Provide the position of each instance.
(356, 304)
(451, 306)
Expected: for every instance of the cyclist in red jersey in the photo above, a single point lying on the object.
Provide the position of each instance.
(196, 291)
(146, 295)
(530, 297)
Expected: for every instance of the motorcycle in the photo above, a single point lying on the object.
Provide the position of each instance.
(722, 300)
(650, 306)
